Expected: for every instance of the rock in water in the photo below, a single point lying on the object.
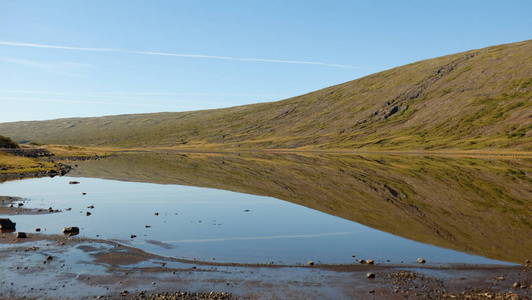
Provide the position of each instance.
(71, 230)
(21, 235)
(421, 260)
(310, 263)
(73, 182)
(6, 224)
(370, 275)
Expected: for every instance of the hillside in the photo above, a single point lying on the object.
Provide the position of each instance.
(479, 99)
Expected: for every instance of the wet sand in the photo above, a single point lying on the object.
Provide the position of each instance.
(11, 206)
(61, 267)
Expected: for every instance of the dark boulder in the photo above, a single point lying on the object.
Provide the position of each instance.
(6, 224)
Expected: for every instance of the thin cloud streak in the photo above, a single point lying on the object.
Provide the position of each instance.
(184, 55)
(110, 94)
(83, 102)
(177, 105)
(37, 64)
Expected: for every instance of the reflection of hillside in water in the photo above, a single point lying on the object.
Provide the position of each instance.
(481, 206)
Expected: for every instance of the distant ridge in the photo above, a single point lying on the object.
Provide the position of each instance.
(479, 99)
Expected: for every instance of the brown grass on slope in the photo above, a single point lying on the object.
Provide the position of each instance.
(479, 99)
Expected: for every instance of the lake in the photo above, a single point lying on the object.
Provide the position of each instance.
(294, 208)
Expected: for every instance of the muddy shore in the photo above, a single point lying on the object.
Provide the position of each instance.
(61, 267)
(15, 206)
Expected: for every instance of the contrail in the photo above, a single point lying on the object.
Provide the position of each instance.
(156, 53)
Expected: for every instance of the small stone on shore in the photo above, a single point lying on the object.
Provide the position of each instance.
(499, 278)
(71, 230)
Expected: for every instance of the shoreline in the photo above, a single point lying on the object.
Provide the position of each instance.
(122, 268)
(474, 153)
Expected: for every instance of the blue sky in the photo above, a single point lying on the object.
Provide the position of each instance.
(88, 58)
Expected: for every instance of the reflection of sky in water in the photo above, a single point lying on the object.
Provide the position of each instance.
(206, 224)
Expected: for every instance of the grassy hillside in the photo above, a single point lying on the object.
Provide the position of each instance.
(480, 99)
(460, 203)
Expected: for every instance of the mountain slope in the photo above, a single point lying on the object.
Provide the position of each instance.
(480, 99)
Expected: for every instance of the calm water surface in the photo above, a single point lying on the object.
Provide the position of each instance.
(213, 224)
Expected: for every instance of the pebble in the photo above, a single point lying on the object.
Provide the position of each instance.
(370, 275)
